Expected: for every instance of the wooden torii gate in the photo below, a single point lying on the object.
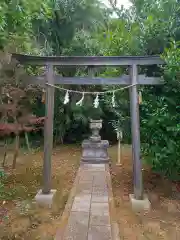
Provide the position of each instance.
(132, 79)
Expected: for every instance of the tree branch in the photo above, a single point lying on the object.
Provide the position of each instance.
(115, 9)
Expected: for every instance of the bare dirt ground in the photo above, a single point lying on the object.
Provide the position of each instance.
(162, 222)
(20, 217)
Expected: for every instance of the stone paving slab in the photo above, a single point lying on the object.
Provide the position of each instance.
(90, 167)
(83, 197)
(96, 220)
(84, 186)
(100, 199)
(77, 226)
(80, 206)
(86, 178)
(99, 233)
(99, 208)
(99, 182)
(90, 216)
(100, 191)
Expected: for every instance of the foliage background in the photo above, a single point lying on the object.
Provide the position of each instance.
(87, 27)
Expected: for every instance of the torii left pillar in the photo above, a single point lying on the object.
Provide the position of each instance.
(46, 195)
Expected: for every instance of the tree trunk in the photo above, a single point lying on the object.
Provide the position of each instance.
(5, 153)
(16, 151)
(27, 141)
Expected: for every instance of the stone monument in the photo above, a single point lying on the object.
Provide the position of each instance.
(94, 150)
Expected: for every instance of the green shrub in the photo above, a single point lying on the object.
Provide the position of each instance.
(160, 126)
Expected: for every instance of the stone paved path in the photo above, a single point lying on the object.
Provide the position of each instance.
(89, 216)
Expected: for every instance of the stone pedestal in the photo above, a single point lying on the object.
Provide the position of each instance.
(140, 205)
(45, 200)
(94, 150)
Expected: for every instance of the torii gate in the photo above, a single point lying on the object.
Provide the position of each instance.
(132, 79)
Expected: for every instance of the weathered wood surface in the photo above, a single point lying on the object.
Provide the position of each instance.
(135, 131)
(88, 60)
(48, 131)
(123, 80)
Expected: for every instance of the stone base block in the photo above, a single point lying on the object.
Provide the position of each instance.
(140, 205)
(95, 152)
(119, 164)
(45, 200)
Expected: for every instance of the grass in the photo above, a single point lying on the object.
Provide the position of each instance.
(25, 220)
(163, 221)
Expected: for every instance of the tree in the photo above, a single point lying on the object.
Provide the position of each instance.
(150, 31)
(16, 18)
(160, 113)
(68, 19)
(15, 104)
(72, 31)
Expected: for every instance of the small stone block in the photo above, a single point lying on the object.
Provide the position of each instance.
(100, 220)
(99, 173)
(99, 209)
(93, 167)
(99, 233)
(81, 206)
(86, 177)
(99, 180)
(83, 197)
(140, 205)
(101, 191)
(81, 191)
(100, 184)
(45, 200)
(85, 185)
(99, 165)
(77, 227)
(100, 199)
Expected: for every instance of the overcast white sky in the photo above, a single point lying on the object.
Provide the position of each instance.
(126, 3)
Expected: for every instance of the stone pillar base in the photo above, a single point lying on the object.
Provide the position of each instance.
(95, 152)
(140, 205)
(45, 200)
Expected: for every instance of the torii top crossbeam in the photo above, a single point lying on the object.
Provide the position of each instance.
(91, 61)
(88, 60)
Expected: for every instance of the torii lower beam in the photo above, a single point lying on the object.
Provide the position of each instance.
(122, 80)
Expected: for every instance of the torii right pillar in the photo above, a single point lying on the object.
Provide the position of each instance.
(139, 200)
